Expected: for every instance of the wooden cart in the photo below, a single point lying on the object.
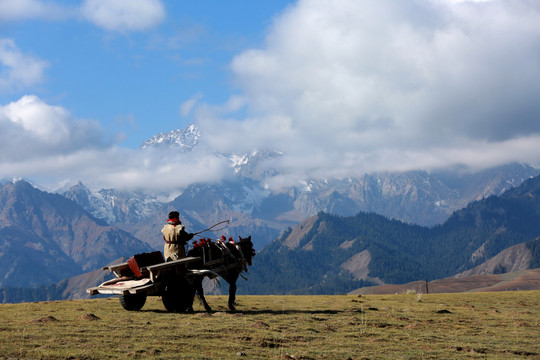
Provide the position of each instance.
(148, 274)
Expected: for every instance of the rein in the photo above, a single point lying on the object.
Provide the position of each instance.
(213, 226)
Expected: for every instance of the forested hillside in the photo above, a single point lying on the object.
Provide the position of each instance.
(333, 254)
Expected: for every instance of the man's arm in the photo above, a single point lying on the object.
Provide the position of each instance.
(185, 236)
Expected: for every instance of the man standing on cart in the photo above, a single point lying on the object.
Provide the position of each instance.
(175, 237)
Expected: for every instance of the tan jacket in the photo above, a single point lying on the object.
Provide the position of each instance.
(175, 239)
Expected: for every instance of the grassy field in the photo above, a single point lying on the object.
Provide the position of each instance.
(502, 325)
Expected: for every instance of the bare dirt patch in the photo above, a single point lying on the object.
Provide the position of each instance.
(45, 319)
(89, 317)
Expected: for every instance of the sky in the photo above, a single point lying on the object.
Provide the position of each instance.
(340, 87)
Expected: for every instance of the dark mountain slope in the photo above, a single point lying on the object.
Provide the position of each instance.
(331, 254)
(324, 258)
(45, 238)
(486, 227)
(515, 258)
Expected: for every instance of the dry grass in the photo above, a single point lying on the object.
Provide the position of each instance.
(503, 325)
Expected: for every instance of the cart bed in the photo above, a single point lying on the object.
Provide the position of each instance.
(131, 285)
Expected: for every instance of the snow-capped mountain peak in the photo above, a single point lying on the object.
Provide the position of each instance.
(183, 139)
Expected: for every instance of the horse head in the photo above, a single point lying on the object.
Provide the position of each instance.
(247, 248)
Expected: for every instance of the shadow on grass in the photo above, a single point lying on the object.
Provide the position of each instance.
(289, 312)
(260, 312)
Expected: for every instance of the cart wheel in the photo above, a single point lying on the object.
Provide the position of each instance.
(177, 296)
(133, 302)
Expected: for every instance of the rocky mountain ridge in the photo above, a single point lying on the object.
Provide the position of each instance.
(46, 237)
(414, 197)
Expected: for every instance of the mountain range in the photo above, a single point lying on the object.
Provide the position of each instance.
(417, 197)
(413, 197)
(329, 254)
(46, 237)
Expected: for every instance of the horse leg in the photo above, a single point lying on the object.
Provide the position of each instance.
(203, 299)
(232, 295)
(192, 290)
(200, 292)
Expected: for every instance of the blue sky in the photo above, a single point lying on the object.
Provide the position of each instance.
(340, 87)
(133, 80)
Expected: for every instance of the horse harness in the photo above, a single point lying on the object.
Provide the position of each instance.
(237, 262)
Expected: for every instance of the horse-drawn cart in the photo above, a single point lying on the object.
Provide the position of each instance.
(148, 274)
(177, 281)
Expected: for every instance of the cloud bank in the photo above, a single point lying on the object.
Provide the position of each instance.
(347, 87)
(118, 16)
(46, 143)
(32, 129)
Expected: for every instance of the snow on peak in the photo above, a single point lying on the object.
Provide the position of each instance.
(244, 165)
(238, 160)
(184, 139)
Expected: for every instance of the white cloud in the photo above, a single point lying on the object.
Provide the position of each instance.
(18, 70)
(153, 170)
(12, 10)
(187, 106)
(37, 118)
(349, 86)
(123, 15)
(117, 15)
(120, 168)
(460, 1)
(47, 144)
(31, 129)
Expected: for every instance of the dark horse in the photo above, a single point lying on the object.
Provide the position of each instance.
(226, 258)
